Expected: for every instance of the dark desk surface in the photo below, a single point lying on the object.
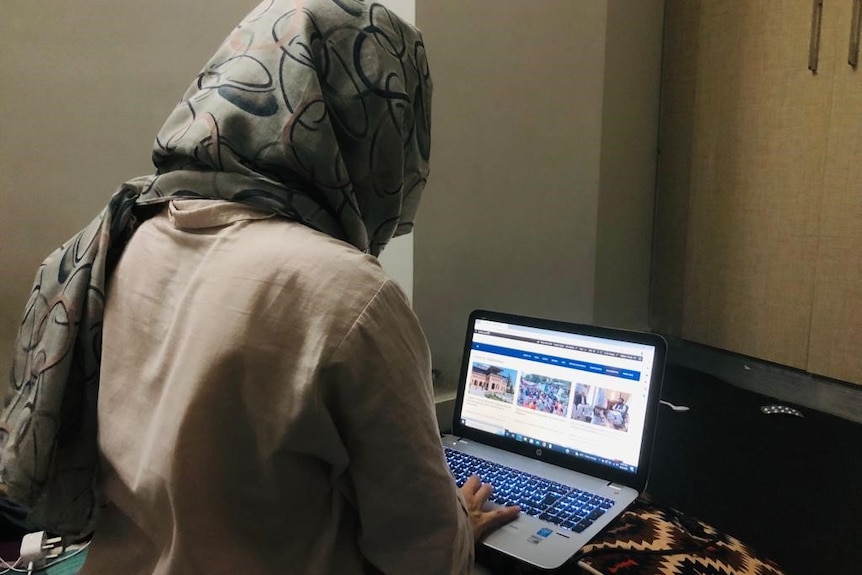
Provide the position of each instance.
(784, 485)
(635, 544)
(619, 550)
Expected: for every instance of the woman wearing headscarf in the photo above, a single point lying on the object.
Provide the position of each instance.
(216, 375)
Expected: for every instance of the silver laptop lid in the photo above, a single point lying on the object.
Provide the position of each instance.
(578, 396)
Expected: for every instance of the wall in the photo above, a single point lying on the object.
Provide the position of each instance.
(86, 87)
(543, 160)
(630, 115)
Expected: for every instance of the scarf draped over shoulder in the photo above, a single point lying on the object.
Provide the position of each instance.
(317, 110)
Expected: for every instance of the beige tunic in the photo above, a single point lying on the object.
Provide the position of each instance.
(266, 407)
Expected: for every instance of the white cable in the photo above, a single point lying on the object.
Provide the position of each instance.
(35, 544)
(9, 567)
(62, 558)
(589, 569)
(13, 568)
(48, 565)
(674, 407)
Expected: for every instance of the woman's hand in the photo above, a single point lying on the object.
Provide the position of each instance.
(475, 495)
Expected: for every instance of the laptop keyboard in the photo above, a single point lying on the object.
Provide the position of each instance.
(556, 503)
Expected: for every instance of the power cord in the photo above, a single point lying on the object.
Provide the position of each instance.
(38, 552)
(9, 567)
(589, 569)
(674, 407)
(67, 556)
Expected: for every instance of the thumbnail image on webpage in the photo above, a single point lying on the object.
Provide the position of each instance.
(590, 404)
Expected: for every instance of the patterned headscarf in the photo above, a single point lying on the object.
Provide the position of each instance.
(317, 110)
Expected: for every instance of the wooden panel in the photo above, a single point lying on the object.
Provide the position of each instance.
(836, 326)
(761, 122)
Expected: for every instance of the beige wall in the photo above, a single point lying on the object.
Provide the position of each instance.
(630, 114)
(543, 159)
(86, 87)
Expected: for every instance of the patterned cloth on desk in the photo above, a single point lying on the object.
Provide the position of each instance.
(648, 527)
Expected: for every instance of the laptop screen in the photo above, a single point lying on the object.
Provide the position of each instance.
(579, 394)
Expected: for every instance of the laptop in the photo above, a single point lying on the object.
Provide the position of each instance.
(560, 418)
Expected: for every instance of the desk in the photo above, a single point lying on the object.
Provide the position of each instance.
(648, 527)
(643, 526)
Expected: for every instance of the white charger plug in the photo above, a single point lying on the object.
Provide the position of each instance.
(36, 547)
(31, 547)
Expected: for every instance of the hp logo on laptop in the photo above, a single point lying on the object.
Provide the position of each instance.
(538, 452)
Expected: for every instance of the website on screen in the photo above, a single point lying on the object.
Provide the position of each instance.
(580, 395)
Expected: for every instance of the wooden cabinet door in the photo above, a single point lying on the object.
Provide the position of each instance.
(760, 126)
(836, 322)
